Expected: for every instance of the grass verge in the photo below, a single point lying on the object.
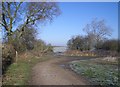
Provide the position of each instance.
(97, 73)
(19, 73)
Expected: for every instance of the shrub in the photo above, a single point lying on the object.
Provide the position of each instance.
(8, 55)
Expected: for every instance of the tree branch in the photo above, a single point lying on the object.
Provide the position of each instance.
(4, 21)
(17, 8)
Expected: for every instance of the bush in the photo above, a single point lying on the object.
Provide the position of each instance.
(111, 45)
(81, 43)
(50, 48)
(41, 48)
(8, 55)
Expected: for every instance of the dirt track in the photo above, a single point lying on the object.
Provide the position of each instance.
(51, 73)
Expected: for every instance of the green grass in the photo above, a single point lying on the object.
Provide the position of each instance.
(19, 73)
(100, 74)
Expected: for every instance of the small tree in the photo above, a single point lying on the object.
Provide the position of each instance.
(78, 43)
(74, 43)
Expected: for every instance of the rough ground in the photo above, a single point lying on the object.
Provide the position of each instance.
(51, 73)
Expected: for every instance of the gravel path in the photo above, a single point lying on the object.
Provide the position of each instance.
(51, 73)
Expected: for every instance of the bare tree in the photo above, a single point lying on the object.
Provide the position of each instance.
(96, 31)
(26, 13)
(15, 14)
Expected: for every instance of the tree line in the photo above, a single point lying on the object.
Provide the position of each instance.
(96, 38)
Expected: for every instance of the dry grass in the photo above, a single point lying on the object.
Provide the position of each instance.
(79, 53)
